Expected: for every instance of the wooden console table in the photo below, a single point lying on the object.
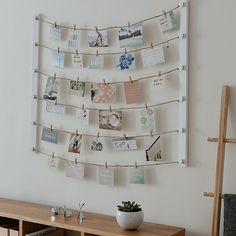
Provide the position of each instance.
(31, 217)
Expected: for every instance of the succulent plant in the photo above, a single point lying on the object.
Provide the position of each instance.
(129, 206)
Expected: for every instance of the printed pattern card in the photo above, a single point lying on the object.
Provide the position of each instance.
(72, 39)
(124, 144)
(147, 120)
(136, 175)
(82, 115)
(167, 22)
(53, 108)
(51, 89)
(106, 176)
(97, 144)
(77, 61)
(55, 33)
(75, 143)
(153, 148)
(125, 62)
(103, 93)
(49, 135)
(158, 82)
(58, 59)
(110, 120)
(97, 38)
(153, 56)
(77, 88)
(131, 36)
(75, 171)
(132, 92)
(96, 62)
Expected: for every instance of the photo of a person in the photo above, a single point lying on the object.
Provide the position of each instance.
(110, 120)
(75, 143)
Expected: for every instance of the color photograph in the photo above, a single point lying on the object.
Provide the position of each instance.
(75, 143)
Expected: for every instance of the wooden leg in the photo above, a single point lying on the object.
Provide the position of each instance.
(220, 161)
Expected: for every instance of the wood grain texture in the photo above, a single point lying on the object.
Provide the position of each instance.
(93, 224)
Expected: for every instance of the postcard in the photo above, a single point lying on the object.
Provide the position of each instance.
(49, 135)
(75, 143)
(110, 120)
(132, 92)
(77, 88)
(72, 39)
(55, 33)
(153, 148)
(97, 144)
(136, 175)
(103, 93)
(51, 89)
(77, 61)
(96, 62)
(122, 144)
(158, 82)
(152, 56)
(82, 115)
(131, 36)
(53, 108)
(58, 59)
(97, 38)
(74, 171)
(147, 120)
(125, 62)
(167, 22)
(106, 176)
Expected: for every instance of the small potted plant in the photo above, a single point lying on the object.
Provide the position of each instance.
(129, 215)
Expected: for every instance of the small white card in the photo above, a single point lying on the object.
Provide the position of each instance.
(158, 82)
(77, 61)
(167, 22)
(152, 56)
(96, 62)
(72, 39)
(124, 144)
(82, 115)
(153, 148)
(52, 108)
(106, 176)
(75, 171)
(136, 175)
(97, 144)
(147, 120)
(58, 59)
(55, 33)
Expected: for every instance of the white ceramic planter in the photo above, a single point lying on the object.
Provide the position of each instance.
(129, 220)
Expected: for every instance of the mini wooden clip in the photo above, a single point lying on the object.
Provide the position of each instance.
(53, 155)
(104, 81)
(128, 24)
(55, 76)
(76, 132)
(130, 79)
(159, 73)
(125, 51)
(82, 107)
(51, 128)
(106, 164)
(124, 135)
(151, 133)
(98, 135)
(55, 24)
(55, 102)
(96, 28)
(151, 45)
(77, 52)
(74, 27)
(164, 12)
(76, 161)
(135, 164)
(146, 106)
(58, 50)
(110, 108)
(97, 53)
(167, 44)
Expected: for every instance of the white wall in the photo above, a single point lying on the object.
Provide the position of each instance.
(176, 197)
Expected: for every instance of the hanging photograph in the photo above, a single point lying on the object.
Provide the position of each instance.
(51, 107)
(125, 62)
(77, 61)
(153, 148)
(136, 175)
(103, 93)
(132, 92)
(82, 115)
(152, 56)
(55, 33)
(106, 176)
(167, 22)
(74, 170)
(49, 135)
(77, 88)
(72, 39)
(122, 144)
(96, 62)
(147, 120)
(58, 59)
(97, 38)
(131, 36)
(75, 143)
(51, 89)
(110, 120)
(97, 144)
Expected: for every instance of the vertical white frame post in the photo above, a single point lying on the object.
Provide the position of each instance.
(183, 73)
(35, 84)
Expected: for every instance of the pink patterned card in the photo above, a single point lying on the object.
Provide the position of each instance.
(132, 93)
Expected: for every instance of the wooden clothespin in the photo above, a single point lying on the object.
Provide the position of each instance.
(106, 164)
(51, 128)
(74, 27)
(167, 44)
(151, 45)
(135, 164)
(146, 106)
(58, 50)
(151, 134)
(76, 132)
(55, 24)
(159, 73)
(125, 51)
(98, 135)
(53, 155)
(96, 28)
(164, 13)
(110, 108)
(130, 79)
(55, 102)
(76, 52)
(97, 53)
(76, 161)
(124, 135)
(104, 81)
(128, 24)
(82, 107)
(78, 79)
(55, 76)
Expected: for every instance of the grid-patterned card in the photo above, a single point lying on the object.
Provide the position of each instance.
(132, 93)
